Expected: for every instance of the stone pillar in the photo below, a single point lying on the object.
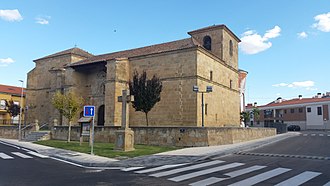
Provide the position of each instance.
(117, 80)
(36, 125)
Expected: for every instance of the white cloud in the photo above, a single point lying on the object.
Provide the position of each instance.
(43, 20)
(309, 85)
(6, 61)
(10, 15)
(302, 35)
(323, 22)
(253, 43)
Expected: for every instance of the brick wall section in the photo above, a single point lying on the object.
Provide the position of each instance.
(174, 136)
(326, 112)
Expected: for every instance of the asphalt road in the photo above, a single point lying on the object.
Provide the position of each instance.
(300, 160)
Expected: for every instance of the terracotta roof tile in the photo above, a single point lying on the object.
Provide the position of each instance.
(153, 49)
(296, 101)
(75, 50)
(11, 90)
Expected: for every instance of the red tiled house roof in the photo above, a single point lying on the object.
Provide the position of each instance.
(11, 90)
(75, 51)
(295, 102)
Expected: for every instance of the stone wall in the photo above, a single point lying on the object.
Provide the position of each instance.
(174, 136)
(11, 132)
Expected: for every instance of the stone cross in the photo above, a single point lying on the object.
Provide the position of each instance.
(125, 98)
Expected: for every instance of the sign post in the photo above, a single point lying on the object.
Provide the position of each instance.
(89, 111)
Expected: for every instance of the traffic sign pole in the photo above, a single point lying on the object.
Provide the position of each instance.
(92, 146)
(89, 111)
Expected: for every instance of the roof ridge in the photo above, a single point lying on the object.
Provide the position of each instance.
(75, 50)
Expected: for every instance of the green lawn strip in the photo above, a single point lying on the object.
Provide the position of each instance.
(106, 149)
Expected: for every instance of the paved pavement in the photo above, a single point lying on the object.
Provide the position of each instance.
(171, 157)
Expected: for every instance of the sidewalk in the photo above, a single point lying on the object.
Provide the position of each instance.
(171, 157)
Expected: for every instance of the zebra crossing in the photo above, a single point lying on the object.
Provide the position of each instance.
(315, 135)
(217, 171)
(27, 155)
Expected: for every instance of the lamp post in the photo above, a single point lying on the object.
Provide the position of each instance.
(208, 90)
(20, 114)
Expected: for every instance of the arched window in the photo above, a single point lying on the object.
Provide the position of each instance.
(100, 116)
(231, 48)
(207, 42)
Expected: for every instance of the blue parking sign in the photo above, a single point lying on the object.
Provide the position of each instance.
(89, 111)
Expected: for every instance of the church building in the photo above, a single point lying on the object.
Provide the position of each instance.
(208, 57)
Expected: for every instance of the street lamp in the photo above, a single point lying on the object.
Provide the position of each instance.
(20, 114)
(208, 90)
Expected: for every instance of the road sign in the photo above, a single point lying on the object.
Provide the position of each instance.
(89, 111)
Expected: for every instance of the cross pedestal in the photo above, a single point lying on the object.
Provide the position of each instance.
(125, 136)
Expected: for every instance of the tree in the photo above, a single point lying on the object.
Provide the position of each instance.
(245, 117)
(12, 108)
(256, 114)
(68, 105)
(146, 92)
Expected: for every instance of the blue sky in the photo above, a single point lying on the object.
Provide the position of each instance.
(285, 44)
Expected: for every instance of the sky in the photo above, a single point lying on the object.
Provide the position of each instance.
(284, 44)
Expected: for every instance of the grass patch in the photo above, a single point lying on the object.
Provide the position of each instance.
(106, 149)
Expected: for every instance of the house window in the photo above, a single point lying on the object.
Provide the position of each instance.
(211, 75)
(309, 109)
(285, 111)
(319, 110)
(231, 48)
(207, 42)
(292, 110)
(300, 110)
(206, 109)
(231, 84)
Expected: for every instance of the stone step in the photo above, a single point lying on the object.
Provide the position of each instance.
(37, 136)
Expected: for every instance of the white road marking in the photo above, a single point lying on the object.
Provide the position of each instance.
(131, 169)
(328, 135)
(159, 168)
(233, 174)
(321, 134)
(305, 134)
(208, 181)
(299, 179)
(327, 184)
(261, 177)
(313, 134)
(5, 156)
(37, 154)
(174, 171)
(204, 172)
(244, 171)
(21, 155)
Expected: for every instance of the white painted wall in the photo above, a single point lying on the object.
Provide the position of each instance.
(312, 119)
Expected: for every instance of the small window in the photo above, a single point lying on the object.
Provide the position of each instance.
(231, 48)
(292, 110)
(206, 109)
(231, 84)
(207, 43)
(285, 111)
(300, 110)
(309, 109)
(319, 110)
(211, 75)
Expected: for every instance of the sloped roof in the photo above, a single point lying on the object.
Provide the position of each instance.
(295, 102)
(11, 90)
(215, 27)
(152, 49)
(75, 51)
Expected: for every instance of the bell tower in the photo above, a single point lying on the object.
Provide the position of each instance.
(219, 41)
